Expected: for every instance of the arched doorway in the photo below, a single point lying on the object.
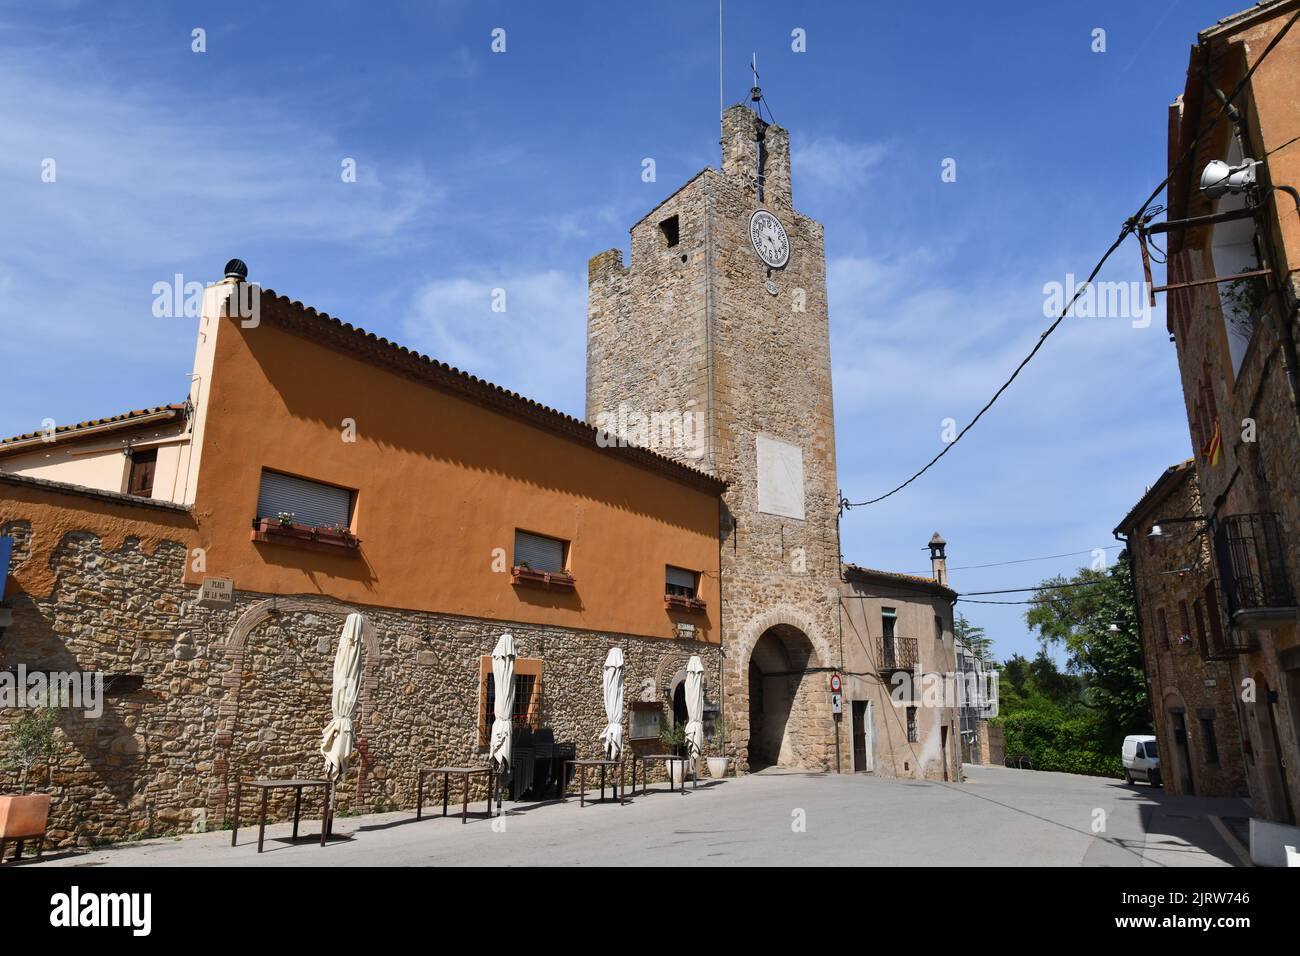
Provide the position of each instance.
(778, 688)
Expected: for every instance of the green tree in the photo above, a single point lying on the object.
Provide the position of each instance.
(31, 741)
(973, 636)
(1092, 616)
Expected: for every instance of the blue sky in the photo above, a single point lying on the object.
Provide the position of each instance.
(478, 170)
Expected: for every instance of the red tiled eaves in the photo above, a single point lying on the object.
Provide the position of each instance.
(908, 580)
(294, 316)
(113, 423)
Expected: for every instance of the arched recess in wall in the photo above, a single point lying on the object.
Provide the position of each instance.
(236, 644)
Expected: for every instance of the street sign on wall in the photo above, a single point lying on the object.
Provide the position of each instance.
(6, 553)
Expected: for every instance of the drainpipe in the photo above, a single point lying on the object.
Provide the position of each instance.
(722, 650)
(839, 622)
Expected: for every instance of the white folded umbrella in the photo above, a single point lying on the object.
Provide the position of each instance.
(339, 738)
(695, 706)
(503, 676)
(613, 685)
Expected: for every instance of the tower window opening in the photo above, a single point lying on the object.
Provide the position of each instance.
(671, 230)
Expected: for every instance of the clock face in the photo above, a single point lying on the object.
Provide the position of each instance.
(769, 238)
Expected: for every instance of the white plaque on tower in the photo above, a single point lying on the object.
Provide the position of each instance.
(780, 478)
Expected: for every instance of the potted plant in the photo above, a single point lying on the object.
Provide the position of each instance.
(521, 573)
(30, 741)
(717, 764)
(673, 740)
(683, 603)
(335, 534)
(285, 518)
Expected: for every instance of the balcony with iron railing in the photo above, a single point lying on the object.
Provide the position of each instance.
(1248, 551)
(897, 654)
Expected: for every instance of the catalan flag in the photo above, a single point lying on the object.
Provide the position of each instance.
(1213, 449)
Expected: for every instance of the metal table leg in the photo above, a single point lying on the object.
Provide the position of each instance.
(261, 826)
(234, 833)
(327, 822)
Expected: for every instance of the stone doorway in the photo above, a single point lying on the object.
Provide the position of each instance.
(779, 685)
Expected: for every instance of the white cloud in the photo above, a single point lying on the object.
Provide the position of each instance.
(832, 162)
(147, 186)
(534, 347)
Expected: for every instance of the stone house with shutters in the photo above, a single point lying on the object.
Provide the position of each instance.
(1195, 711)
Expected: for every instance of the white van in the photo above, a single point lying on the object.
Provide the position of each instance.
(1141, 760)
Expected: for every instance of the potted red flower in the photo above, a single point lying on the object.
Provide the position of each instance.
(522, 573)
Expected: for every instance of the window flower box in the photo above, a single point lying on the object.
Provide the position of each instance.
(552, 580)
(330, 540)
(680, 602)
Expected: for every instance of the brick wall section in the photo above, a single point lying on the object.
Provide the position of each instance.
(695, 327)
(245, 692)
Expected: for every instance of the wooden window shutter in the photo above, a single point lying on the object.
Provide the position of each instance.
(1216, 619)
(143, 466)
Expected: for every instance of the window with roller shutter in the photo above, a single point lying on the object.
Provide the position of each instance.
(680, 582)
(539, 553)
(310, 502)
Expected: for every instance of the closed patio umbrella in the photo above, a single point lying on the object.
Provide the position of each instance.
(613, 685)
(503, 677)
(695, 707)
(339, 738)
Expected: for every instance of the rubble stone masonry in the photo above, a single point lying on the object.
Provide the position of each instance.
(703, 324)
(242, 693)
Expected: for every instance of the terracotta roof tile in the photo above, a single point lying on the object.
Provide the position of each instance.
(123, 419)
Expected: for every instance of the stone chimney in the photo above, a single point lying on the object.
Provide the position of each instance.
(750, 145)
(938, 560)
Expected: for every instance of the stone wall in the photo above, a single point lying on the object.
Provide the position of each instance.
(1170, 575)
(1256, 474)
(239, 693)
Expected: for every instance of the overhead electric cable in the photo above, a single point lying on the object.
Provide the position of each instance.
(1130, 225)
(1040, 587)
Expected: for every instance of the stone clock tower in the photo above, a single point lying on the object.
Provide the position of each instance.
(720, 321)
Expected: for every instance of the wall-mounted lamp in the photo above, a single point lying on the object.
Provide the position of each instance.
(1219, 179)
(1156, 533)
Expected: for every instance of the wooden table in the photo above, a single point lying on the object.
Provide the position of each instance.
(645, 777)
(582, 766)
(465, 773)
(266, 786)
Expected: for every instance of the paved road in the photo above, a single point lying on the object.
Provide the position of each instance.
(997, 817)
